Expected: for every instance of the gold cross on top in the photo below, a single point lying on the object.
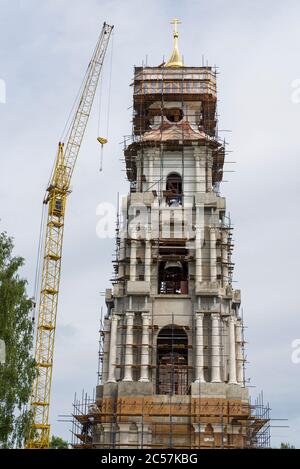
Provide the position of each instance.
(175, 22)
(175, 59)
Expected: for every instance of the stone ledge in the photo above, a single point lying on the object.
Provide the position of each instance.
(206, 198)
(207, 288)
(138, 287)
(134, 388)
(118, 290)
(236, 296)
(122, 388)
(172, 297)
(144, 198)
(224, 390)
(108, 390)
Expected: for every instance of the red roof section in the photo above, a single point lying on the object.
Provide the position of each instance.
(176, 131)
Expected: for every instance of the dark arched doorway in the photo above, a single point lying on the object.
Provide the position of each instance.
(172, 361)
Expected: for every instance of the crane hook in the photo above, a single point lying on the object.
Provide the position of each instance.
(102, 141)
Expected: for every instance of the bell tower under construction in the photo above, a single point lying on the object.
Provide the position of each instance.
(172, 357)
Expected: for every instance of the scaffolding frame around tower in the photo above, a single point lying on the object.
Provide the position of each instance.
(172, 417)
(163, 414)
(88, 420)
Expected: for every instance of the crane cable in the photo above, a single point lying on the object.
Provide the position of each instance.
(99, 121)
(38, 263)
(103, 140)
(64, 134)
(69, 121)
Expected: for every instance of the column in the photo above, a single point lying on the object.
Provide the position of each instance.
(98, 435)
(107, 435)
(112, 349)
(197, 171)
(200, 173)
(106, 342)
(199, 430)
(144, 435)
(138, 174)
(239, 352)
(232, 360)
(124, 433)
(200, 170)
(225, 257)
(128, 347)
(147, 260)
(199, 244)
(145, 349)
(122, 255)
(150, 175)
(133, 246)
(203, 173)
(215, 349)
(213, 255)
(199, 368)
(209, 175)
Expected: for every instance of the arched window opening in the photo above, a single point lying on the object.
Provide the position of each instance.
(173, 278)
(172, 361)
(174, 190)
(209, 433)
(174, 115)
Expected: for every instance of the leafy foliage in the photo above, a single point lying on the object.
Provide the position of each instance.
(286, 446)
(16, 329)
(58, 443)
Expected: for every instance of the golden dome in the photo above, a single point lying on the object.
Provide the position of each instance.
(175, 59)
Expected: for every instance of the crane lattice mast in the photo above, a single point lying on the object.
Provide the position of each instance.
(55, 198)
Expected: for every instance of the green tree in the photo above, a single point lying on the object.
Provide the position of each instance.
(16, 332)
(286, 446)
(58, 443)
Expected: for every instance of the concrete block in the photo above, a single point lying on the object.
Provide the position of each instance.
(141, 198)
(207, 288)
(206, 198)
(118, 290)
(110, 390)
(138, 287)
(221, 203)
(236, 297)
(99, 391)
(208, 389)
(224, 390)
(134, 388)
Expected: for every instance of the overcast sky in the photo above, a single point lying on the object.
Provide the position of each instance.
(45, 48)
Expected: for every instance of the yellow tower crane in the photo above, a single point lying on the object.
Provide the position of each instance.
(55, 198)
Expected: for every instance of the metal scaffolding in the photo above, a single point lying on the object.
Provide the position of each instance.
(175, 413)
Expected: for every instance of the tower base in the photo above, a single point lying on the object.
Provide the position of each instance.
(129, 415)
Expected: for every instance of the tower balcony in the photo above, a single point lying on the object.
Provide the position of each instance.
(195, 82)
